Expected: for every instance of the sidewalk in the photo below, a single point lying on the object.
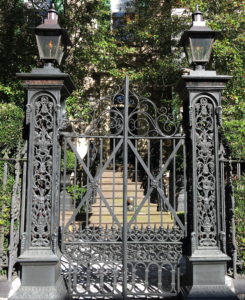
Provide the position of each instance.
(7, 289)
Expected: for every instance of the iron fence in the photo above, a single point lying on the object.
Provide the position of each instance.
(13, 187)
(231, 171)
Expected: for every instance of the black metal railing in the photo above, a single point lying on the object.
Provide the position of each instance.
(13, 185)
(231, 173)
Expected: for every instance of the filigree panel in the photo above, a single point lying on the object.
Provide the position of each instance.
(114, 234)
(147, 120)
(205, 172)
(43, 141)
(106, 117)
(96, 268)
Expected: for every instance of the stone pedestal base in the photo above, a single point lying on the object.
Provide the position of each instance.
(208, 292)
(56, 292)
(40, 277)
(206, 277)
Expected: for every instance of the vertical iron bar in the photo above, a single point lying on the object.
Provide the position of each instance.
(75, 184)
(185, 187)
(147, 273)
(161, 185)
(101, 163)
(113, 184)
(173, 278)
(14, 216)
(87, 183)
(222, 199)
(174, 179)
(148, 182)
(136, 180)
(159, 277)
(125, 182)
(23, 193)
(5, 177)
(217, 177)
(64, 192)
(178, 279)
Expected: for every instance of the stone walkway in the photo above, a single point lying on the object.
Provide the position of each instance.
(8, 289)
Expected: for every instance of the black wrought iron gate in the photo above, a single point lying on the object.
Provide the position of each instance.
(123, 204)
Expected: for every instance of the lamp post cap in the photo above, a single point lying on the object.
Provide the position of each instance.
(52, 16)
(197, 17)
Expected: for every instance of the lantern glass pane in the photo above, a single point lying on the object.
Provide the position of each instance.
(49, 46)
(188, 51)
(201, 48)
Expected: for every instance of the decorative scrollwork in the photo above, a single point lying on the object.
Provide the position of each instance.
(44, 119)
(113, 234)
(144, 117)
(96, 268)
(154, 252)
(205, 172)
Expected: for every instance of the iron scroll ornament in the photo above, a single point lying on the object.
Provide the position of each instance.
(205, 171)
(145, 118)
(44, 121)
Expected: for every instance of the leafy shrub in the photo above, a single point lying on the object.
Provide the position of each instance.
(239, 189)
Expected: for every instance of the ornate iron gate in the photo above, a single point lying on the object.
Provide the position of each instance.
(123, 203)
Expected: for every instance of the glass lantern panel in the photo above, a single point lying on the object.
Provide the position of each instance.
(201, 48)
(60, 52)
(49, 46)
(188, 52)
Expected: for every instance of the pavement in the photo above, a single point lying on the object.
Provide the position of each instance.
(8, 289)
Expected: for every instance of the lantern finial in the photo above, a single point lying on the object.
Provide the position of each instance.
(52, 16)
(197, 17)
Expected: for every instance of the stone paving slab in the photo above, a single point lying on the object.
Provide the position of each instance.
(5, 286)
(7, 289)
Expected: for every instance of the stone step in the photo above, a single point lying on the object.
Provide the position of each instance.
(141, 218)
(80, 224)
(119, 194)
(99, 213)
(119, 188)
(117, 202)
(110, 174)
(117, 212)
(116, 180)
(110, 185)
(119, 209)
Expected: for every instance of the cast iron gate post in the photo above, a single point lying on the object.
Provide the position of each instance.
(201, 92)
(40, 275)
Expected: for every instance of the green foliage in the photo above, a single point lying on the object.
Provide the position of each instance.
(70, 161)
(144, 48)
(5, 201)
(227, 17)
(77, 105)
(239, 186)
(11, 126)
(17, 48)
(77, 193)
